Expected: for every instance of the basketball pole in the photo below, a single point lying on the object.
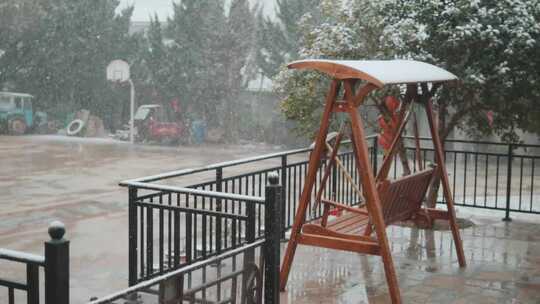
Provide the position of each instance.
(131, 112)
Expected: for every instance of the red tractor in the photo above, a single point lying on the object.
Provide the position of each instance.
(154, 124)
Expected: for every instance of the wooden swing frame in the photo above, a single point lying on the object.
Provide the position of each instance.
(383, 198)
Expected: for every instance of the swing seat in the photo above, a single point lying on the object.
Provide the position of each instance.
(401, 200)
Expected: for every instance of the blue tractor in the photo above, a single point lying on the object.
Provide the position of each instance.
(16, 113)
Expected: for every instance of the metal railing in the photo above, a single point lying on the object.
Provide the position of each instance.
(490, 175)
(223, 278)
(231, 274)
(170, 227)
(55, 263)
(483, 174)
(291, 166)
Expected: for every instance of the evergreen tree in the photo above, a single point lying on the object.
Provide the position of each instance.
(155, 59)
(61, 59)
(279, 41)
(490, 45)
(18, 21)
(238, 48)
(210, 52)
(196, 32)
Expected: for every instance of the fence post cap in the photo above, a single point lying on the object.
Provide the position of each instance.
(273, 178)
(57, 230)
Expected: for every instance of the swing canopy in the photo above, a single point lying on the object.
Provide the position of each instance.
(378, 72)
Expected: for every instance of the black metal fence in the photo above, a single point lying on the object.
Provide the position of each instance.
(55, 263)
(170, 227)
(488, 175)
(230, 272)
(292, 169)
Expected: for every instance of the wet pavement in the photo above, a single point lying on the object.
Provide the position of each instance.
(503, 267)
(44, 178)
(47, 178)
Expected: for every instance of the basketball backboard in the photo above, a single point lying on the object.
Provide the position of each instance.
(118, 70)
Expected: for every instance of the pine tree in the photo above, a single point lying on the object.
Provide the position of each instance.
(61, 59)
(196, 31)
(238, 47)
(155, 58)
(279, 41)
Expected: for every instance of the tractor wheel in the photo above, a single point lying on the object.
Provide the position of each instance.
(17, 126)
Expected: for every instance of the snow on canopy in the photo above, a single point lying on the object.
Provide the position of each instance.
(378, 72)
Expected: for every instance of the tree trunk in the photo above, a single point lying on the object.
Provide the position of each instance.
(404, 158)
(431, 200)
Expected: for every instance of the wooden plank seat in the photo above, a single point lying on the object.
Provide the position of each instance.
(348, 225)
(401, 199)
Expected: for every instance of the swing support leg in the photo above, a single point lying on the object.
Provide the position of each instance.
(439, 155)
(313, 166)
(373, 202)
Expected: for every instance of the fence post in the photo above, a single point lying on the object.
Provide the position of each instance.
(272, 229)
(132, 236)
(250, 224)
(375, 152)
(32, 283)
(249, 255)
(508, 182)
(219, 188)
(334, 181)
(283, 194)
(57, 266)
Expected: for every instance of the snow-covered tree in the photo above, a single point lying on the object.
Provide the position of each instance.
(491, 45)
(336, 30)
(493, 48)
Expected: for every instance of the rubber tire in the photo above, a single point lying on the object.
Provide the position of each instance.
(78, 124)
(17, 126)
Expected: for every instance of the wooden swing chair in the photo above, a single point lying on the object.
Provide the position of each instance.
(362, 228)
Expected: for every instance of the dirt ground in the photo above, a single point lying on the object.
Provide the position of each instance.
(47, 178)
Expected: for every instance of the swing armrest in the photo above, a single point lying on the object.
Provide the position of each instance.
(344, 207)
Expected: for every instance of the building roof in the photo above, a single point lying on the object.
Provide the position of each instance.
(378, 72)
(15, 94)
